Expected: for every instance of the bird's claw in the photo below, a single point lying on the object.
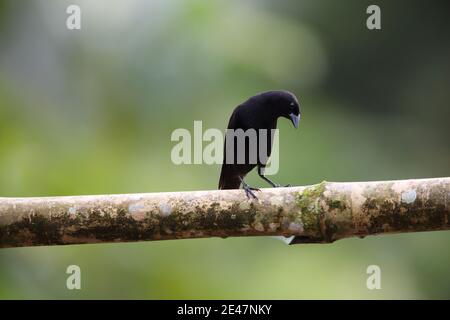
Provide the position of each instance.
(280, 186)
(249, 192)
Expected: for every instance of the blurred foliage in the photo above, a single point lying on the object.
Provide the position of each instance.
(91, 112)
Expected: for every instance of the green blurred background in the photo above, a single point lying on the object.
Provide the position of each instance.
(92, 111)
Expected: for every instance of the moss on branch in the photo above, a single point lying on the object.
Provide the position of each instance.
(320, 213)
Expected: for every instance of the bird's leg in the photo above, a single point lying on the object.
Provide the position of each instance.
(273, 184)
(249, 190)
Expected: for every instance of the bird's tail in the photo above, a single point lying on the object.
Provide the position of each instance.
(228, 181)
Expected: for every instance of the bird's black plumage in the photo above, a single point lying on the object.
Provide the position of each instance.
(258, 112)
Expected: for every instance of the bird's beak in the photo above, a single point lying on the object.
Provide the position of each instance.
(295, 119)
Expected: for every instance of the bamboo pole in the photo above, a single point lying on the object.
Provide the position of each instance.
(320, 213)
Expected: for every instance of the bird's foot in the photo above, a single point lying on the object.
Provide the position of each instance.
(249, 192)
(276, 185)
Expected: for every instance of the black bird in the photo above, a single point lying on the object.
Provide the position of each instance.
(259, 112)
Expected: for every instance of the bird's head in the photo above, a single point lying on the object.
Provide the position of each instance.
(286, 105)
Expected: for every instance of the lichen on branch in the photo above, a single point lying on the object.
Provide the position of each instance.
(319, 213)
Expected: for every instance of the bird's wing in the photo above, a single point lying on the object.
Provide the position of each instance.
(227, 179)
